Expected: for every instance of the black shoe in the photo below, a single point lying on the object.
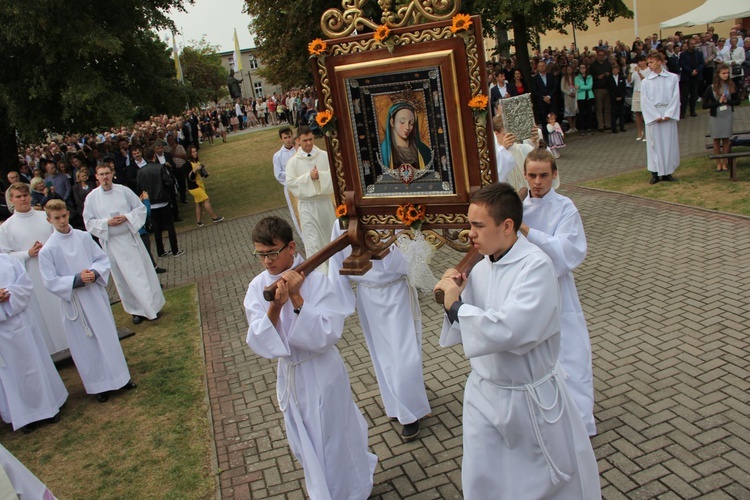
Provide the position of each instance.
(129, 385)
(177, 253)
(102, 397)
(29, 428)
(410, 431)
(654, 179)
(165, 254)
(54, 419)
(668, 178)
(160, 270)
(137, 320)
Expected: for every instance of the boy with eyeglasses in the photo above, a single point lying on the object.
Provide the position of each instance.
(300, 327)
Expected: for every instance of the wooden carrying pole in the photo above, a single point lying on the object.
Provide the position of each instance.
(312, 263)
(471, 259)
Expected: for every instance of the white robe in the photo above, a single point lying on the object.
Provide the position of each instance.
(325, 429)
(134, 275)
(660, 97)
(24, 483)
(280, 159)
(17, 235)
(391, 320)
(85, 312)
(510, 164)
(555, 226)
(316, 210)
(30, 387)
(522, 435)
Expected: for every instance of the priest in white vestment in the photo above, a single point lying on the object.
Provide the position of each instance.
(660, 106)
(280, 159)
(552, 222)
(308, 177)
(16, 481)
(77, 270)
(22, 236)
(388, 308)
(300, 327)
(522, 436)
(114, 214)
(30, 387)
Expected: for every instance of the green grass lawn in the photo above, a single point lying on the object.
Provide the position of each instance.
(241, 180)
(151, 442)
(698, 184)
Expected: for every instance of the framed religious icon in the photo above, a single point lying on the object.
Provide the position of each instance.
(404, 107)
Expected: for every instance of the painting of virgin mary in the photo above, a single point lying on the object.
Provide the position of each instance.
(402, 144)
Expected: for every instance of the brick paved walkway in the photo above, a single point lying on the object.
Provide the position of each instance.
(665, 292)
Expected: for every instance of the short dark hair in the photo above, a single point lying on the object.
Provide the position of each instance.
(270, 229)
(303, 130)
(135, 146)
(149, 154)
(501, 201)
(285, 130)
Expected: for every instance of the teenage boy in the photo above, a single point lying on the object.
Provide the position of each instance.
(522, 435)
(552, 222)
(280, 159)
(616, 89)
(75, 269)
(301, 326)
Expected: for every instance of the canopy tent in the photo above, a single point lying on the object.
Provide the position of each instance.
(712, 11)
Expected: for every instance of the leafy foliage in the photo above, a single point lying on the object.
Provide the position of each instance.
(205, 77)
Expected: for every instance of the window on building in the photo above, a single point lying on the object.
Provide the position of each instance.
(253, 63)
(258, 89)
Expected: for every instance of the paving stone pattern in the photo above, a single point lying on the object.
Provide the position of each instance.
(665, 290)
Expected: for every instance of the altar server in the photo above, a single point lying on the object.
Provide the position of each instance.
(300, 327)
(391, 320)
(308, 177)
(552, 222)
(16, 481)
(522, 437)
(114, 214)
(31, 390)
(660, 106)
(280, 159)
(22, 236)
(77, 270)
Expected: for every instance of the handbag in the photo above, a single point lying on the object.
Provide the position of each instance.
(736, 70)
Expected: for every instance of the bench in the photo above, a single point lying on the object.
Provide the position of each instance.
(730, 157)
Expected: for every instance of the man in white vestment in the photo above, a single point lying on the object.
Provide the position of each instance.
(300, 327)
(280, 159)
(114, 215)
(391, 320)
(308, 177)
(16, 481)
(522, 435)
(22, 236)
(31, 390)
(552, 222)
(660, 106)
(77, 270)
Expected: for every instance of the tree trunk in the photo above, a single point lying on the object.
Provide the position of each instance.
(521, 40)
(8, 145)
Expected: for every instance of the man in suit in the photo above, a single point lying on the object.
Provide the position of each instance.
(691, 75)
(616, 89)
(543, 90)
(122, 161)
(167, 160)
(708, 49)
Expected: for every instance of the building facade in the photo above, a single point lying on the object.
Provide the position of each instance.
(252, 84)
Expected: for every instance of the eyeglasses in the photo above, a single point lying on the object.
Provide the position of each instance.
(272, 256)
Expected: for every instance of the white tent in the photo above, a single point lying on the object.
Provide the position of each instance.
(712, 11)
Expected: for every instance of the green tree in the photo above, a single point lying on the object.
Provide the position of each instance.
(205, 77)
(76, 65)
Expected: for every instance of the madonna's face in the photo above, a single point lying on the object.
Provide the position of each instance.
(403, 123)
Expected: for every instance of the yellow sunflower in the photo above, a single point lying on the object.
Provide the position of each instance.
(317, 47)
(323, 117)
(461, 22)
(479, 102)
(382, 33)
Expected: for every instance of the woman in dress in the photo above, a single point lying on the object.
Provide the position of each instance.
(585, 97)
(402, 144)
(570, 97)
(197, 189)
(637, 75)
(721, 98)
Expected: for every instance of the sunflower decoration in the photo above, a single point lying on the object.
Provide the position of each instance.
(342, 214)
(317, 47)
(326, 121)
(461, 22)
(478, 105)
(412, 216)
(383, 35)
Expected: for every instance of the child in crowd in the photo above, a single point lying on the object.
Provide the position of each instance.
(197, 189)
(555, 134)
(75, 269)
(300, 327)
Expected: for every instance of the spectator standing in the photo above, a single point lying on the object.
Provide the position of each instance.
(617, 90)
(691, 66)
(517, 86)
(80, 191)
(600, 70)
(156, 180)
(660, 104)
(114, 215)
(708, 49)
(721, 98)
(179, 156)
(570, 93)
(585, 96)
(543, 89)
(166, 159)
(197, 190)
(736, 61)
(637, 75)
